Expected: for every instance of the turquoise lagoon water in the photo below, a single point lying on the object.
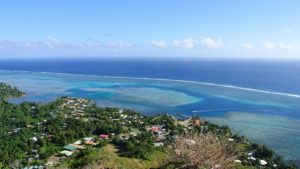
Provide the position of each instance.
(265, 117)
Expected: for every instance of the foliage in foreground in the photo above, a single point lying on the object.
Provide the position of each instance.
(202, 150)
(110, 157)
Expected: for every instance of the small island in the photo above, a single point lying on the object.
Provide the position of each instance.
(75, 133)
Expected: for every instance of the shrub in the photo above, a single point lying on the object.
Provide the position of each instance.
(202, 151)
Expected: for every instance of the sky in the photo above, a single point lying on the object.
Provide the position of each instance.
(150, 28)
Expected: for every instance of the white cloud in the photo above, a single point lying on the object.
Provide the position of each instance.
(31, 44)
(118, 45)
(287, 46)
(91, 43)
(159, 43)
(269, 45)
(248, 46)
(281, 45)
(54, 43)
(7, 44)
(211, 43)
(185, 43)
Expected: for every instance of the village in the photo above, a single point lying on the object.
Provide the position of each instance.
(75, 108)
(105, 125)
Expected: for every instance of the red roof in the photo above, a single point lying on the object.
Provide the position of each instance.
(103, 135)
(154, 128)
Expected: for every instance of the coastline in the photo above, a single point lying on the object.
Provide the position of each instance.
(160, 132)
(127, 79)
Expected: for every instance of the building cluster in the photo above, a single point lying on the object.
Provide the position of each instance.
(74, 148)
(75, 106)
(160, 133)
(127, 119)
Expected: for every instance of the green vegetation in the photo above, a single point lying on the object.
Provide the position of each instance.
(140, 146)
(34, 134)
(110, 156)
(7, 91)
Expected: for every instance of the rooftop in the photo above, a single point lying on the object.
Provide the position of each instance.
(70, 147)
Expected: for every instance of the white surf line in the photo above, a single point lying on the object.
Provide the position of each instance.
(211, 84)
(172, 80)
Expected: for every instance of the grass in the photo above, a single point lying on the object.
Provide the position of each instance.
(205, 151)
(109, 157)
(245, 167)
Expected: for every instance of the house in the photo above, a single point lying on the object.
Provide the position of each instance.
(155, 128)
(79, 114)
(103, 136)
(197, 122)
(158, 144)
(34, 151)
(237, 161)
(70, 147)
(78, 142)
(78, 146)
(16, 130)
(263, 162)
(34, 139)
(159, 132)
(251, 158)
(133, 133)
(30, 159)
(88, 138)
(124, 136)
(159, 138)
(230, 139)
(66, 153)
(90, 143)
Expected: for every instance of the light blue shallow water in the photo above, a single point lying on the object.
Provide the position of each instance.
(271, 118)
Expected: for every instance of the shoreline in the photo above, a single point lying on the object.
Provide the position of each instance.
(71, 109)
(70, 75)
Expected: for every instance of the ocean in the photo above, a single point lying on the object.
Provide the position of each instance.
(259, 99)
(279, 76)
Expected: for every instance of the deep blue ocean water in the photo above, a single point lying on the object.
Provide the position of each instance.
(279, 76)
(269, 114)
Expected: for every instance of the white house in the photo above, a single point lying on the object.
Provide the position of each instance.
(158, 144)
(263, 162)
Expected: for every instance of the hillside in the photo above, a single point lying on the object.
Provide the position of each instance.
(76, 133)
